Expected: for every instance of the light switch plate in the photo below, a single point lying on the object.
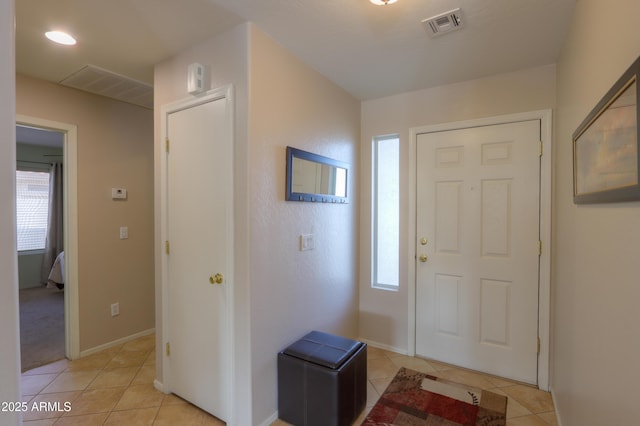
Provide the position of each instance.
(307, 242)
(124, 232)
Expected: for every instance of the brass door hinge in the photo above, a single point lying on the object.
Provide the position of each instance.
(166, 144)
(167, 248)
(539, 247)
(539, 149)
(168, 349)
(538, 344)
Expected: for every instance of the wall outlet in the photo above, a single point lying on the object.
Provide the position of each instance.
(119, 193)
(115, 309)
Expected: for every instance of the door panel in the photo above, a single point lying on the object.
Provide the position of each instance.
(198, 173)
(478, 207)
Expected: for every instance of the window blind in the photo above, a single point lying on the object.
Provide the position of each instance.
(32, 209)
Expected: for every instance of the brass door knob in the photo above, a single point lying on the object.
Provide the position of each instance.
(423, 258)
(216, 279)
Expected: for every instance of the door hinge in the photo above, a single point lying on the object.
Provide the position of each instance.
(167, 247)
(168, 349)
(540, 149)
(538, 344)
(539, 247)
(166, 144)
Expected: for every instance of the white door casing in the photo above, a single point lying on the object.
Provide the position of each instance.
(198, 243)
(471, 304)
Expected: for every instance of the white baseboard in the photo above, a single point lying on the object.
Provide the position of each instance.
(384, 347)
(117, 342)
(270, 419)
(159, 386)
(555, 406)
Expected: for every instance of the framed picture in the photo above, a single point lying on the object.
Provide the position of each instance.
(605, 146)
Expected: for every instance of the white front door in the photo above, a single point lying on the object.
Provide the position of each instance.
(199, 249)
(477, 228)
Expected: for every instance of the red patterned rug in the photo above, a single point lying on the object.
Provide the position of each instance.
(415, 398)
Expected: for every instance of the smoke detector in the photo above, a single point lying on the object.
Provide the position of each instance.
(443, 23)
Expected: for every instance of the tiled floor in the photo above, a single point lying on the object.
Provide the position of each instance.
(112, 387)
(115, 386)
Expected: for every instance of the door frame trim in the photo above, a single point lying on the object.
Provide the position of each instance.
(70, 220)
(544, 289)
(224, 92)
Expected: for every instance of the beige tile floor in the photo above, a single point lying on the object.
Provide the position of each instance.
(112, 387)
(115, 386)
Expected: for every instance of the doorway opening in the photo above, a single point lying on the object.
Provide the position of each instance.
(39, 154)
(46, 225)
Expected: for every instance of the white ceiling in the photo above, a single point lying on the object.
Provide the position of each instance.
(40, 137)
(370, 51)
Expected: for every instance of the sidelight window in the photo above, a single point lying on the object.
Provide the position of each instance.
(386, 212)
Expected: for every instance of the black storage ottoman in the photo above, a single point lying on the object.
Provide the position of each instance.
(322, 380)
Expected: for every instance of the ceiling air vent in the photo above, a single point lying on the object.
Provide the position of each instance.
(106, 83)
(443, 23)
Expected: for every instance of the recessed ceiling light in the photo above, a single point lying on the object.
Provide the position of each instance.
(382, 2)
(60, 38)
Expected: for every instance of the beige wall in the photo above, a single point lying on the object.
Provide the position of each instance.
(9, 336)
(114, 149)
(294, 292)
(383, 314)
(29, 268)
(596, 316)
(226, 59)
(280, 293)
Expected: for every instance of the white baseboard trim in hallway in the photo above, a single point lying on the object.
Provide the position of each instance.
(555, 406)
(117, 342)
(384, 347)
(270, 420)
(159, 386)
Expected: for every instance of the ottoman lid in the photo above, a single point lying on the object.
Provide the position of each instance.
(323, 349)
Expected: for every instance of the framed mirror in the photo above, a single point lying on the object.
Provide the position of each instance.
(314, 178)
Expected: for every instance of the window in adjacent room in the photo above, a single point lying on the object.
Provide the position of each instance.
(386, 212)
(32, 209)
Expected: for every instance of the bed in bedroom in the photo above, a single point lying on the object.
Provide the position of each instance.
(56, 276)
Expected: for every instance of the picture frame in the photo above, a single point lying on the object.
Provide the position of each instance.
(606, 151)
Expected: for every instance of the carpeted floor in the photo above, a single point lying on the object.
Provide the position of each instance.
(41, 326)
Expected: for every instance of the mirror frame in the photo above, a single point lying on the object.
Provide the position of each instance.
(314, 198)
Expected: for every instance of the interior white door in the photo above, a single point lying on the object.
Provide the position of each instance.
(199, 174)
(477, 226)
